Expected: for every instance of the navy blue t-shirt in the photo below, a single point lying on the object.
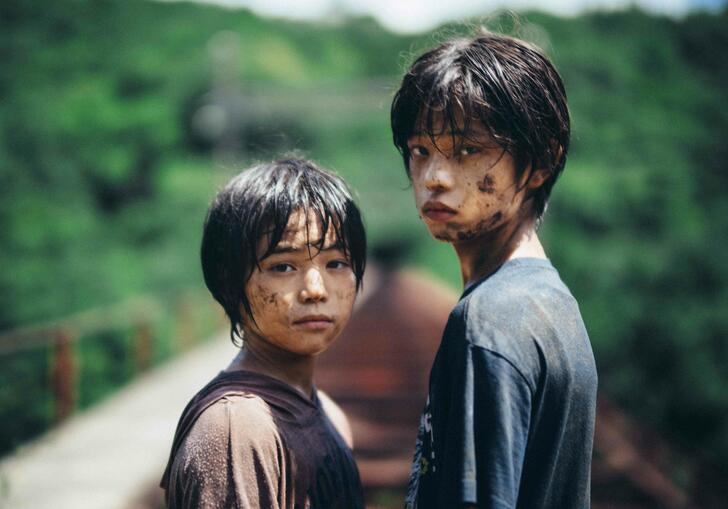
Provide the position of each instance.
(509, 421)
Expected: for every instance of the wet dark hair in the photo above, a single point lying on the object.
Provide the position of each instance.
(503, 82)
(258, 203)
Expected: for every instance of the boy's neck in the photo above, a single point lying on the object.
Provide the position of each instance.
(294, 370)
(482, 256)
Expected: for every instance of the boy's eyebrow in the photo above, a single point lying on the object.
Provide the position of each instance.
(451, 133)
(293, 248)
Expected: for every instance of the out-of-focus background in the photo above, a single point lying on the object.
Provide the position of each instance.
(120, 119)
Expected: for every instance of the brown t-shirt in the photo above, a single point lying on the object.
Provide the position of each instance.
(247, 440)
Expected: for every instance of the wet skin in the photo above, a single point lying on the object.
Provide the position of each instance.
(467, 193)
(301, 298)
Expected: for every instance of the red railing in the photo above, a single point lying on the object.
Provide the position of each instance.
(194, 316)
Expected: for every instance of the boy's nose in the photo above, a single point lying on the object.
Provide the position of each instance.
(437, 175)
(314, 288)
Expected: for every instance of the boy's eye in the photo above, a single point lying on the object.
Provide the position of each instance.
(282, 267)
(419, 151)
(469, 150)
(337, 264)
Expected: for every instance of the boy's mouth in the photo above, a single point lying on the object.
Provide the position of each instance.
(437, 211)
(314, 322)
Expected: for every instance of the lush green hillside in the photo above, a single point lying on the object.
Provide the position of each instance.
(112, 142)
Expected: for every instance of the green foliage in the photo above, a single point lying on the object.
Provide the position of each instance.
(25, 402)
(103, 357)
(105, 173)
(639, 216)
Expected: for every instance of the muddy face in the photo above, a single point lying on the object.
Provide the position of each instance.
(465, 185)
(300, 297)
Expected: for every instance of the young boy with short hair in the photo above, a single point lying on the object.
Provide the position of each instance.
(283, 251)
(483, 127)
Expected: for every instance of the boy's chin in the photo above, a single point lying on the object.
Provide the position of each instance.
(442, 234)
(442, 237)
(458, 236)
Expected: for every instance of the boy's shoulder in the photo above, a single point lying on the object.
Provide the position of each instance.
(521, 309)
(520, 291)
(243, 419)
(235, 407)
(234, 442)
(234, 427)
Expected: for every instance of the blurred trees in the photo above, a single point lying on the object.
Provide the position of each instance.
(640, 219)
(104, 180)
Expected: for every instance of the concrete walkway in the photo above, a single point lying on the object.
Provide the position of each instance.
(103, 458)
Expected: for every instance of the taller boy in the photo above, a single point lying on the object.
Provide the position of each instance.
(483, 127)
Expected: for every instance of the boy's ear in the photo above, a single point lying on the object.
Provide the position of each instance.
(537, 178)
(540, 175)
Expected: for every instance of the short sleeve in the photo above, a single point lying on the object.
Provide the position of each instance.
(232, 457)
(497, 409)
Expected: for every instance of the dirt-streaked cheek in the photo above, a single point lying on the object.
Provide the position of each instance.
(487, 185)
(265, 302)
(344, 294)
